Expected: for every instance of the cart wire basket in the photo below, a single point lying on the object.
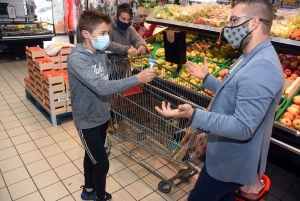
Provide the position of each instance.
(137, 124)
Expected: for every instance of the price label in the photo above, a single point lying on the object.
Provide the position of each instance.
(176, 14)
(21, 26)
(212, 28)
(158, 15)
(63, 97)
(185, 13)
(196, 26)
(184, 24)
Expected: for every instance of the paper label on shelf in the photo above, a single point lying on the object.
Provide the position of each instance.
(21, 26)
(276, 39)
(185, 13)
(63, 97)
(176, 14)
(158, 15)
(216, 29)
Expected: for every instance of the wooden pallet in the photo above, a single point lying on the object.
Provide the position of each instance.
(47, 115)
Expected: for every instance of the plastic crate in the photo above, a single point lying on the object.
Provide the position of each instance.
(284, 107)
(282, 103)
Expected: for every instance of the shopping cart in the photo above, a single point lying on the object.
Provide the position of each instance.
(164, 142)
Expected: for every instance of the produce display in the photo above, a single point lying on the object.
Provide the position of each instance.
(211, 14)
(168, 69)
(207, 50)
(23, 30)
(291, 117)
(290, 66)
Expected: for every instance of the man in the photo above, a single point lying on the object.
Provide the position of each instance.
(240, 120)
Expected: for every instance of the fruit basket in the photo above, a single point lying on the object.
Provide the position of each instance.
(289, 114)
(282, 103)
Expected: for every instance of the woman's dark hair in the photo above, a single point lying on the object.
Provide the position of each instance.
(124, 8)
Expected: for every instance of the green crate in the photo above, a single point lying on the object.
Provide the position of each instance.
(156, 46)
(286, 105)
(282, 103)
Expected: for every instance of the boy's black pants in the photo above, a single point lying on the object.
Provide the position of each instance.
(95, 162)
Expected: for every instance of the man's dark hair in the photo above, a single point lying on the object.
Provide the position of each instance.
(90, 19)
(124, 8)
(261, 8)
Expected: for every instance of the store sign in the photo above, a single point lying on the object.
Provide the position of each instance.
(11, 11)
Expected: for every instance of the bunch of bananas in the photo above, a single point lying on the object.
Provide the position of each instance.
(190, 36)
(150, 47)
(160, 52)
(159, 38)
(140, 63)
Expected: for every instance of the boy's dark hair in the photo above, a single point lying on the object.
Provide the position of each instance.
(261, 8)
(124, 8)
(90, 19)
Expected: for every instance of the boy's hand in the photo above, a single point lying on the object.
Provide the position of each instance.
(132, 52)
(146, 76)
(141, 50)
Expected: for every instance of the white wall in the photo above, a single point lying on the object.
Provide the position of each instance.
(20, 10)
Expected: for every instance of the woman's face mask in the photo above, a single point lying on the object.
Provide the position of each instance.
(124, 21)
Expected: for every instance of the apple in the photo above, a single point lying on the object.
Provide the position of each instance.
(296, 124)
(293, 65)
(296, 106)
(282, 56)
(284, 66)
(296, 71)
(296, 60)
(286, 61)
(289, 116)
(296, 100)
(285, 121)
(297, 117)
(294, 76)
(288, 72)
(218, 44)
(292, 110)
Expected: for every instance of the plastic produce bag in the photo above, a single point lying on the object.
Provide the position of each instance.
(53, 48)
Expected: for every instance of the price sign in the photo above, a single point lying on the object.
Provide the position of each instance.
(197, 26)
(212, 28)
(184, 24)
(63, 97)
(158, 15)
(176, 14)
(185, 13)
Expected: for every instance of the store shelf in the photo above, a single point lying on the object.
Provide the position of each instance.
(213, 29)
(8, 38)
(183, 24)
(286, 129)
(285, 41)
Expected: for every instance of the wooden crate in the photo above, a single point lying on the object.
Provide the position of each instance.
(69, 106)
(67, 87)
(56, 90)
(63, 65)
(51, 81)
(54, 59)
(60, 107)
(35, 52)
(56, 66)
(43, 67)
(65, 50)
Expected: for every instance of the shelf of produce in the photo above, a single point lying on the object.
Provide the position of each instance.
(287, 129)
(183, 24)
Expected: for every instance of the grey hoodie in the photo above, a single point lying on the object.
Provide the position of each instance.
(91, 88)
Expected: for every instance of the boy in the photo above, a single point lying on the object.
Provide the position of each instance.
(91, 90)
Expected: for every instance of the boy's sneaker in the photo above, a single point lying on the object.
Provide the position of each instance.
(106, 198)
(87, 195)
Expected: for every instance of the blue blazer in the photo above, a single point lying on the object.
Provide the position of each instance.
(240, 121)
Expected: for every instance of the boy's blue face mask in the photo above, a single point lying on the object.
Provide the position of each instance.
(102, 42)
(124, 26)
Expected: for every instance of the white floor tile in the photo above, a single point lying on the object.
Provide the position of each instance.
(8, 118)
(36, 196)
(28, 120)
(58, 160)
(4, 195)
(8, 153)
(24, 115)
(112, 185)
(15, 175)
(61, 136)
(5, 143)
(51, 150)
(10, 164)
(75, 153)
(2, 183)
(12, 124)
(5, 113)
(16, 131)
(79, 164)
(4, 107)
(54, 130)
(125, 177)
(73, 132)
(115, 166)
(22, 188)
(20, 139)
(38, 167)
(33, 127)
(68, 198)
(46, 124)
(68, 125)
(154, 197)
(45, 179)
(38, 134)
(32, 156)
(122, 195)
(20, 110)
(59, 189)
(73, 183)
(68, 144)
(43, 142)
(40, 117)
(26, 147)
(66, 171)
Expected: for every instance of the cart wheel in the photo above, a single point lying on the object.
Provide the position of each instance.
(184, 177)
(164, 187)
(17, 58)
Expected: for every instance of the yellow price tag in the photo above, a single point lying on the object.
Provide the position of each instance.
(21, 26)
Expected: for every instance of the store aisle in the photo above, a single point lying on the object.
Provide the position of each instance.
(40, 162)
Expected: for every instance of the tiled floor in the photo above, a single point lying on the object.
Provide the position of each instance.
(40, 162)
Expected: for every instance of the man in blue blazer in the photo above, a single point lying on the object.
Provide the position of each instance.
(240, 120)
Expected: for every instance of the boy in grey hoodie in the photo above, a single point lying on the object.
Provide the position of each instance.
(91, 90)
